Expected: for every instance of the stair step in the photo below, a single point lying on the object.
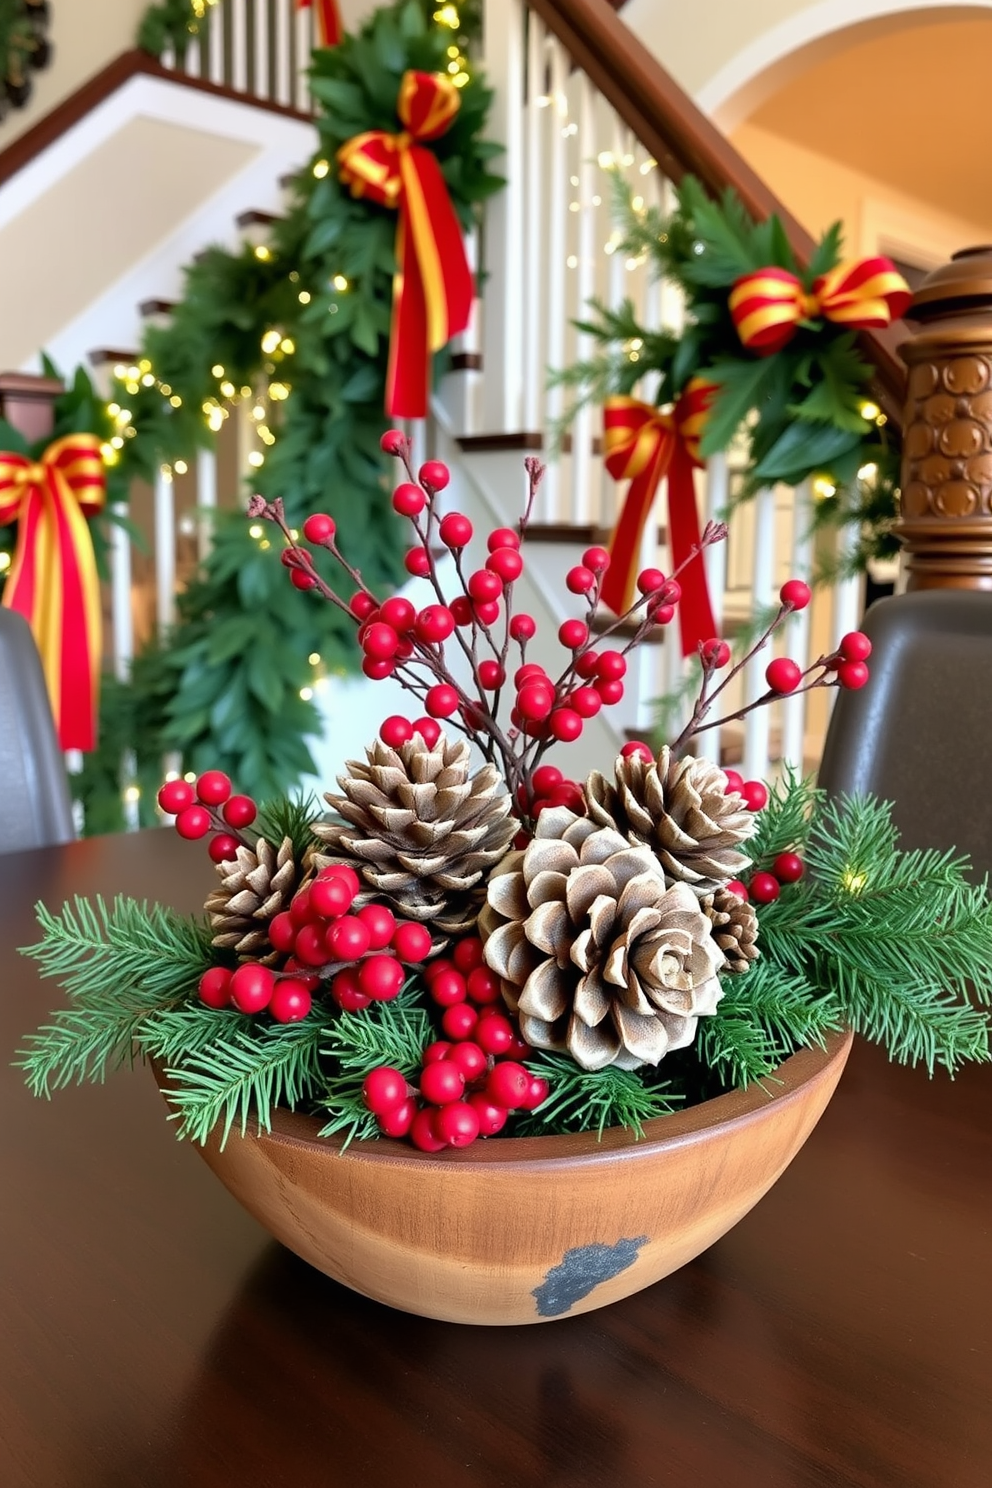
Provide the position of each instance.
(466, 361)
(582, 534)
(102, 356)
(627, 629)
(255, 218)
(148, 308)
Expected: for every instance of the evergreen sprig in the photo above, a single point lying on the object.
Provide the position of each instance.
(593, 1100)
(387, 1033)
(765, 1014)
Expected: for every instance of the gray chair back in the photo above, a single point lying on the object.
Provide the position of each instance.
(920, 733)
(36, 809)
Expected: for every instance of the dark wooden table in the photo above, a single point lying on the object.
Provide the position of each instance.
(151, 1334)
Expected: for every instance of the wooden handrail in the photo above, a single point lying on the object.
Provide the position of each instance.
(98, 88)
(685, 142)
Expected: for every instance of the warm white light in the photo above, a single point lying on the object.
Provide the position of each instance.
(180, 467)
(306, 693)
(320, 168)
(255, 530)
(304, 297)
(339, 282)
(256, 458)
(314, 658)
(270, 341)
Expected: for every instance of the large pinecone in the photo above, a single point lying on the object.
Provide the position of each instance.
(594, 952)
(420, 830)
(681, 810)
(735, 928)
(254, 887)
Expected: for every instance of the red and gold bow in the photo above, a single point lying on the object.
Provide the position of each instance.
(644, 445)
(329, 26)
(768, 305)
(53, 579)
(432, 289)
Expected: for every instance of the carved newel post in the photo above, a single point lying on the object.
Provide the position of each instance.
(946, 521)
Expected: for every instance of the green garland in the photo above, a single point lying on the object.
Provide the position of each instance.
(893, 944)
(302, 323)
(804, 411)
(24, 48)
(172, 23)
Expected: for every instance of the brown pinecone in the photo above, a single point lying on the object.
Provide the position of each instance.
(595, 953)
(254, 887)
(681, 810)
(735, 928)
(420, 830)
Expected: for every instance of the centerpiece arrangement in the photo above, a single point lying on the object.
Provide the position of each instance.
(495, 1044)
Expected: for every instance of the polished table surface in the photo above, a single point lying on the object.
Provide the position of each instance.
(151, 1334)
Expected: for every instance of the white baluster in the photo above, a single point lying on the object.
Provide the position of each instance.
(583, 506)
(284, 51)
(215, 44)
(848, 593)
(503, 313)
(206, 499)
(534, 370)
(193, 61)
(553, 268)
(168, 57)
(262, 48)
(165, 550)
(797, 631)
(305, 42)
(715, 563)
(121, 614)
(757, 723)
(239, 45)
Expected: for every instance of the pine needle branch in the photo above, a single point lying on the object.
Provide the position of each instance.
(387, 1033)
(593, 1100)
(765, 1014)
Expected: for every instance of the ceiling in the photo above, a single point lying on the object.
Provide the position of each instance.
(912, 108)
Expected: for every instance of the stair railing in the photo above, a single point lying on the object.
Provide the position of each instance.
(257, 47)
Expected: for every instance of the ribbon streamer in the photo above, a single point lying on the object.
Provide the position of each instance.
(53, 580)
(643, 445)
(328, 23)
(433, 288)
(769, 305)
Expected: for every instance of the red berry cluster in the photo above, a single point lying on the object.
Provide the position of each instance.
(209, 806)
(470, 1080)
(764, 887)
(754, 792)
(254, 988)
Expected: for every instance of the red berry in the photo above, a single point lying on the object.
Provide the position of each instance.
(597, 559)
(347, 993)
(381, 978)
(214, 987)
(213, 787)
(435, 1052)
(736, 887)
(428, 729)
(290, 1002)
(485, 586)
(380, 923)
(503, 537)
(535, 700)
(193, 822)
(467, 954)
(661, 614)
(506, 564)
(637, 749)
(508, 1084)
(282, 932)
(409, 500)
(380, 641)
(435, 623)
(442, 1083)
(570, 795)
(855, 646)
(461, 608)
(715, 653)
(348, 939)
(319, 528)
(412, 942)
(457, 1123)
(851, 674)
(393, 442)
(492, 1118)
(586, 701)
(580, 580)
(342, 870)
(491, 675)
(422, 1133)
(331, 897)
(441, 701)
(417, 562)
(469, 1058)
(783, 674)
(435, 474)
(565, 724)
(764, 888)
(788, 867)
(399, 613)
(573, 633)
(587, 663)
(795, 593)
(460, 1021)
(384, 1089)
(361, 605)
(455, 530)
(611, 666)
(735, 781)
(300, 911)
(545, 778)
(671, 592)
(755, 795)
(537, 1093)
(251, 987)
(223, 848)
(376, 671)
(522, 627)
(240, 811)
(175, 796)
(483, 985)
(519, 1049)
(650, 581)
(310, 947)
(396, 731)
(610, 692)
(487, 612)
(398, 1121)
(301, 580)
(528, 672)
(493, 1033)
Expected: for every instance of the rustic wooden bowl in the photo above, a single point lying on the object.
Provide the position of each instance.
(526, 1229)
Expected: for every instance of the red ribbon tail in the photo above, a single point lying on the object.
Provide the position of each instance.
(695, 609)
(408, 377)
(617, 591)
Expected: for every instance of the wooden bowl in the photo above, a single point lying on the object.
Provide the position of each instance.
(526, 1229)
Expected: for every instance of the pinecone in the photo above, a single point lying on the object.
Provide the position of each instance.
(735, 928)
(255, 886)
(594, 952)
(421, 831)
(682, 811)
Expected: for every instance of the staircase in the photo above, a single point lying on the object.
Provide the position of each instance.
(578, 97)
